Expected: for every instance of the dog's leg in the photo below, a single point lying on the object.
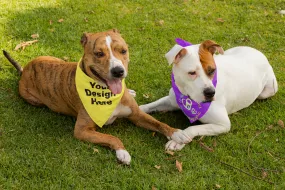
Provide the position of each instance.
(85, 131)
(218, 122)
(167, 103)
(132, 92)
(146, 121)
(271, 86)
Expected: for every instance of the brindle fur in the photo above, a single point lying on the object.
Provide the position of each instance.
(49, 81)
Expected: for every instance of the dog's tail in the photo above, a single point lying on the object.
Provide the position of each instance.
(14, 63)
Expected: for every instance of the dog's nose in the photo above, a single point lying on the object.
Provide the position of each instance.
(117, 72)
(209, 92)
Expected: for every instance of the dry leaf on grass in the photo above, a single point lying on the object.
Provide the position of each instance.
(86, 20)
(264, 174)
(146, 96)
(24, 44)
(281, 123)
(60, 20)
(50, 22)
(157, 167)
(65, 58)
(282, 12)
(178, 165)
(169, 152)
(35, 36)
(160, 22)
(153, 188)
(95, 150)
(206, 147)
(153, 134)
(220, 20)
(218, 186)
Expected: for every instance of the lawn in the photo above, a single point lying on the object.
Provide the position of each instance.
(37, 147)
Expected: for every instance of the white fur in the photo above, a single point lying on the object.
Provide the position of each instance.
(123, 156)
(244, 75)
(114, 62)
(181, 137)
(120, 111)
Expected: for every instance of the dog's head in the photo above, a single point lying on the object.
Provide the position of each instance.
(105, 58)
(194, 69)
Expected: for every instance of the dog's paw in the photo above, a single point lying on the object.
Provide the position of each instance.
(144, 108)
(132, 92)
(123, 156)
(181, 137)
(173, 145)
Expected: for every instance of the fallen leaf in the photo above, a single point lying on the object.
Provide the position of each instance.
(153, 188)
(35, 36)
(269, 127)
(281, 123)
(50, 22)
(218, 186)
(161, 22)
(24, 44)
(146, 96)
(264, 174)
(169, 152)
(178, 165)
(157, 167)
(201, 138)
(60, 20)
(220, 20)
(206, 147)
(65, 58)
(95, 150)
(282, 12)
(153, 134)
(86, 20)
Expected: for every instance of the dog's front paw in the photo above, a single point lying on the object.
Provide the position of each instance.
(144, 108)
(181, 137)
(123, 156)
(173, 145)
(132, 92)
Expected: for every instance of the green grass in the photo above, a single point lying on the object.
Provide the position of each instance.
(37, 147)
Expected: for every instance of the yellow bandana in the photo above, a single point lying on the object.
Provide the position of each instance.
(97, 99)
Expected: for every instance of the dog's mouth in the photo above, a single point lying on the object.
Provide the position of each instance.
(208, 99)
(114, 84)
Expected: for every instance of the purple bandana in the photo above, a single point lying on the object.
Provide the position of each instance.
(193, 110)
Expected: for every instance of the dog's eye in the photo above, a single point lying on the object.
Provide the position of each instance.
(123, 51)
(192, 73)
(99, 54)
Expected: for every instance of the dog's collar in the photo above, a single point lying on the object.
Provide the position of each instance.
(193, 110)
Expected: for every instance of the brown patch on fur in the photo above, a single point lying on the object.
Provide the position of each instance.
(206, 51)
(180, 55)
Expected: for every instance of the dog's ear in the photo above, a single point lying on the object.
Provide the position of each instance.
(212, 47)
(175, 54)
(84, 39)
(115, 30)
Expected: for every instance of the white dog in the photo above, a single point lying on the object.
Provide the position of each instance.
(208, 87)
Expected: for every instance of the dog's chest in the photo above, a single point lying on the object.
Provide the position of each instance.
(120, 111)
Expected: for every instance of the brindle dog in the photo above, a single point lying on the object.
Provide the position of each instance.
(49, 81)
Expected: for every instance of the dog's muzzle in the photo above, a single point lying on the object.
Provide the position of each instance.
(117, 72)
(209, 93)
